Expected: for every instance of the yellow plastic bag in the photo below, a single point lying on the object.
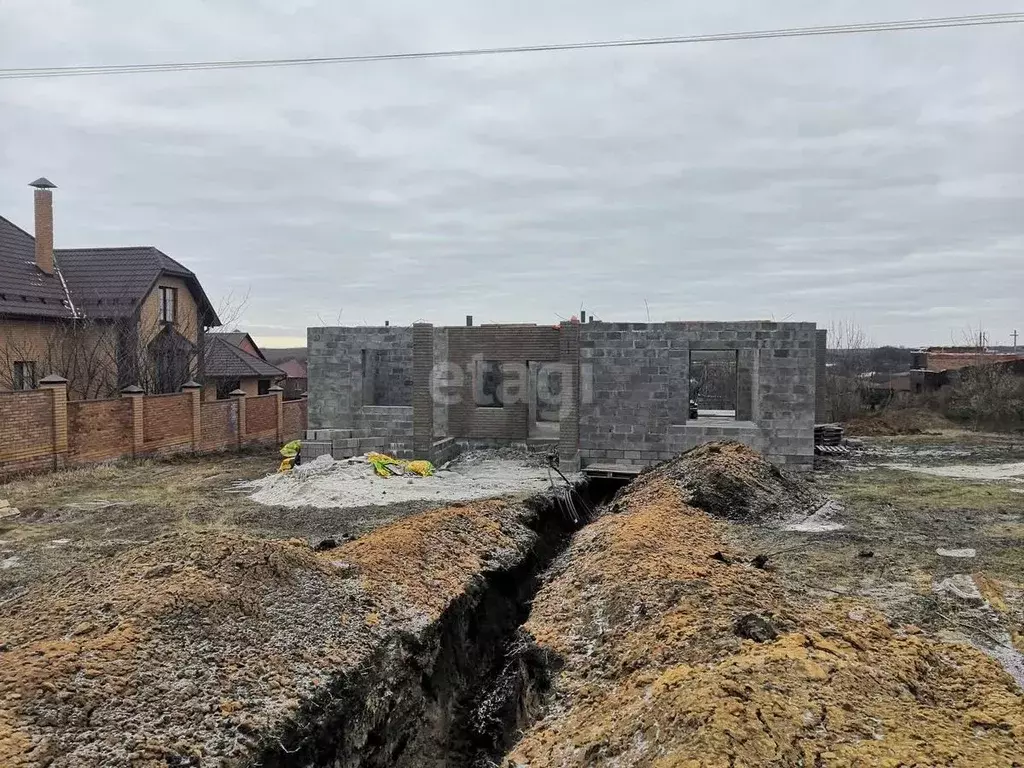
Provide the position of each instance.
(420, 467)
(286, 464)
(382, 463)
(386, 466)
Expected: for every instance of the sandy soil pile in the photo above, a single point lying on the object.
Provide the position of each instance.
(732, 481)
(677, 652)
(192, 649)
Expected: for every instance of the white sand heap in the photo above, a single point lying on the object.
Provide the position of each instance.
(326, 483)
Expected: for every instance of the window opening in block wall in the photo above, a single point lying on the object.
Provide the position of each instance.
(487, 384)
(387, 378)
(713, 383)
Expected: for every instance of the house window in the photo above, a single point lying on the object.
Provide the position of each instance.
(168, 304)
(714, 384)
(263, 387)
(24, 375)
(487, 384)
(226, 386)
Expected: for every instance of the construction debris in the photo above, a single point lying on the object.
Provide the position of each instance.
(325, 483)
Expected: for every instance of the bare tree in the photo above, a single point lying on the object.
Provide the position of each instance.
(845, 385)
(99, 356)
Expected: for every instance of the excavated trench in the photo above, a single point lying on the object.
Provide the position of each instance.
(452, 694)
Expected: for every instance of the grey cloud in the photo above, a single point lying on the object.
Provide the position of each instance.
(877, 177)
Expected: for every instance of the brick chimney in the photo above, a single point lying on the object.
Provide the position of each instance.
(44, 223)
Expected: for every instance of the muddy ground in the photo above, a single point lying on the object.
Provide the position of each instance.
(151, 615)
(88, 515)
(901, 500)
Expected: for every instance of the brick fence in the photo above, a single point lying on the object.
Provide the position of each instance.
(40, 430)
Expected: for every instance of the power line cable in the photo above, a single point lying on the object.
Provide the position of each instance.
(838, 29)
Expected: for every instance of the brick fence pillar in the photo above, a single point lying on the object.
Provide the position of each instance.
(279, 393)
(195, 389)
(135, 394)
(422, 401)
(239, 397)
(569, 423)
(58, 387)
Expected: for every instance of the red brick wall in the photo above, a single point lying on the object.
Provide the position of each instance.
(99, 430)
(220, 425)
(261, 417)
(167, 423)
(503, 344)
(294, 419)
(26, 431)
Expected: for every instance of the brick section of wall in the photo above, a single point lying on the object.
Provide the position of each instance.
(820, 360)
(167, 423)
(294, 414)
(220, 425)
(98, 430)
(505, 344)
(422, 398)
(26, 431)
(337, 385)
(261, 417)
(40, 430)
(569, 421)
(635, 409)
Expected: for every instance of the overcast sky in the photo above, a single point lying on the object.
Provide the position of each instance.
(878, 178)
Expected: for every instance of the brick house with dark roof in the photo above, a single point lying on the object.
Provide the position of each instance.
(103, 318)
(234, 361)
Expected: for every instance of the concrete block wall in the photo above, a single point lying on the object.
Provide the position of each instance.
(338, 384)
(628, 403)
(378, 420)
(439, 371)
(634, 387)
(635, 407)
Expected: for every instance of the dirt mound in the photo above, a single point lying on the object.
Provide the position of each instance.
(731, 481)
(650, 626)
(898, 421)
(192, 649)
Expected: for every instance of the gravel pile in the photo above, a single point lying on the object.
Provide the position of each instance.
(326, 483)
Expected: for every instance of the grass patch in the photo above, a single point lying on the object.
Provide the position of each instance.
(909, 490)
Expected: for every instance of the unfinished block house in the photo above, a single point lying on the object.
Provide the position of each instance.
(608, 397)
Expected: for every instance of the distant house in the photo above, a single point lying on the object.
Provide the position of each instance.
(938, 359)
(103, 318)
(234, 361)
(297, 382)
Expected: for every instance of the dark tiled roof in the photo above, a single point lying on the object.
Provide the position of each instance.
(237, 338)
(24, 288)
(109, 282)
(294, 369)
(226, 361)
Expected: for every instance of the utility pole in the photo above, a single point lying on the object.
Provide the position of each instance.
(1014, 334)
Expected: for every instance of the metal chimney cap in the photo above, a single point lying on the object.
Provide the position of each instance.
(43, 183)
